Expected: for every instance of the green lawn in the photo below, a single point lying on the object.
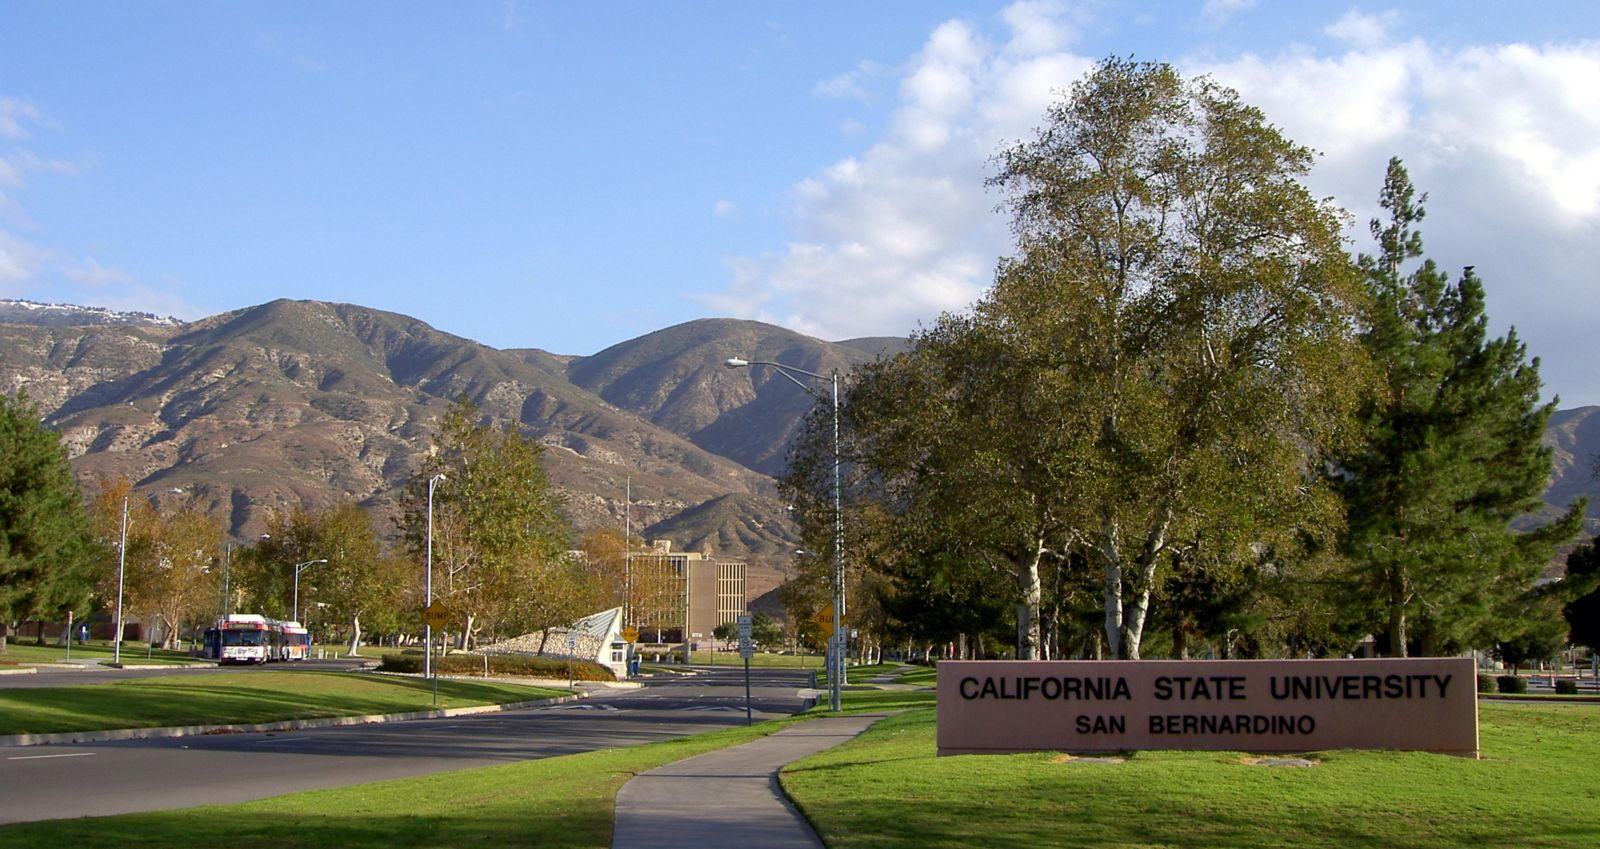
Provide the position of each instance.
(557, 803)
(19, 652)
(1535, 786)
(239, 697)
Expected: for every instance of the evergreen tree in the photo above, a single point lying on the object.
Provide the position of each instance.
(1453, 453)
(47, 550)
(1582, 612)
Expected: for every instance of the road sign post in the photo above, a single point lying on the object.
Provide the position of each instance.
(435, 616)
(746, 649)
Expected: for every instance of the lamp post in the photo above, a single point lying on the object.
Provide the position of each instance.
(298, 568)
(836, 642)
(427, 652)
(122, 568)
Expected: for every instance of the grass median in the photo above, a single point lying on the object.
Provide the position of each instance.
(556, 803)
(101, 651)
(887, 789)
(239, 698)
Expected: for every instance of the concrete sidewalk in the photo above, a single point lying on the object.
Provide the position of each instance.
(728, 799)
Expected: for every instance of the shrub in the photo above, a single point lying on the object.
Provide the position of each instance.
(1566, 687)
(530, 666)
(1486, 683)
(1512, 684)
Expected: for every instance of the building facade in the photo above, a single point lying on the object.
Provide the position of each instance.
(678, 596)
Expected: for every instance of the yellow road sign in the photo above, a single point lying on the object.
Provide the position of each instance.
(631, 634)
(436, 615)
(824, 620)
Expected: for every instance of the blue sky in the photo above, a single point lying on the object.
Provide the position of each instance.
(568, 176)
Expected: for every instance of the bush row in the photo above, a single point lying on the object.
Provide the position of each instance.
(1512, 684)
(529, 666)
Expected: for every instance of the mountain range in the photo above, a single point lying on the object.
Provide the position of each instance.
(312, 403)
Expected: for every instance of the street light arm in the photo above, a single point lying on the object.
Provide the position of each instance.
(739, 362)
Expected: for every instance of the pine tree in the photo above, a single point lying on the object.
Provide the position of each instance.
(1582, 612)
(1453, 453)
(47, 551)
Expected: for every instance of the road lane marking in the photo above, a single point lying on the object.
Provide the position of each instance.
(42, 757)
(280, 740)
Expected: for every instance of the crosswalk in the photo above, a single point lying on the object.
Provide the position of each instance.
(580, 706)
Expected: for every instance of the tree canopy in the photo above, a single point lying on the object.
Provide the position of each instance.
(500, 538)
(1154, 372)
(48, 553)
(1451, 453)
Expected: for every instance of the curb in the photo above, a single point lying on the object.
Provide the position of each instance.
(18, 670)
(283, 725)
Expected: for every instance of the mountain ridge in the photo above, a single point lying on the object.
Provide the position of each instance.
(308, 403)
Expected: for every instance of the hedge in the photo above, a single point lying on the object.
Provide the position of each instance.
(1512, 684)
(529, 666)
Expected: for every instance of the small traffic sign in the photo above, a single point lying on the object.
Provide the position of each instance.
(572, 640)
(747, 649)
(436, 615)
(824, 620)
(744, 626)
(631, 634)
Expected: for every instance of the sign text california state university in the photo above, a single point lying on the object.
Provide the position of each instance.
(1426, 704)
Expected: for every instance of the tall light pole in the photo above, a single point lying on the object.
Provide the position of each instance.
(836, 643)
(122, 568)
(427, 652)
(122, 565)
(298, 568)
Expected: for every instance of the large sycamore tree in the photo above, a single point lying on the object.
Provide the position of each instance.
(172, 575)
(358, 586)
(1452, 452)
(501, 540)
(1157, 368)
(47, 547)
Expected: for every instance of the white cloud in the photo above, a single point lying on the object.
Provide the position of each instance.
(1363, 30)
(1505, 138)
(722, 208)
(1217, 12)
(13, 114)
(91, 273)
(851, 85)
(19, 261)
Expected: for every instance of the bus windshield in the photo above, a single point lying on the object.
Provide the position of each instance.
(242, 638)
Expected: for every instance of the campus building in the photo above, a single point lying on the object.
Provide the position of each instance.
(662, 583)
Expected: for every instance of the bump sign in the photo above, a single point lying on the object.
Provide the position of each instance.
(436, 615)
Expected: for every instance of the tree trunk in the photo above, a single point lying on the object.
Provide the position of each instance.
(1027, 569)
(1111, 552)
(1397, 616)
(1137, 611)
(355, 637)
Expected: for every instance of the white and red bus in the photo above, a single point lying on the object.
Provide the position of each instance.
(253, 638)
(291, 641)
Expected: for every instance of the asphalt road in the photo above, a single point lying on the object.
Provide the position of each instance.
(53, 782)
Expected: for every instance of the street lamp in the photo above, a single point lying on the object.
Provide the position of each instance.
(427, 651)
(836, 643)
(298, 568)
(122, 567)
